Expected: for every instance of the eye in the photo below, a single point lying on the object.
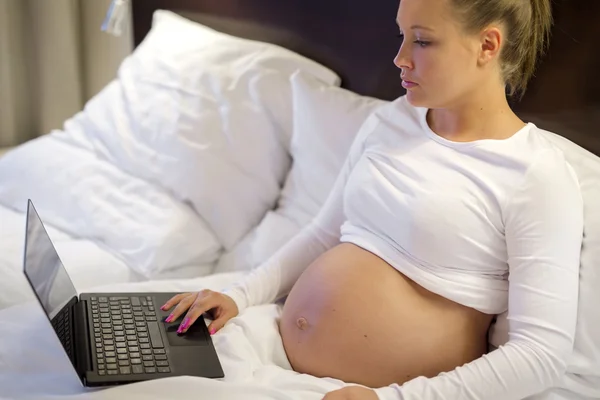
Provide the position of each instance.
(422, 43)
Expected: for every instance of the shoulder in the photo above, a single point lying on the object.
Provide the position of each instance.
(548, 163)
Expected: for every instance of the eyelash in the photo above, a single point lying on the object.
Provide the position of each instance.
(421, 43)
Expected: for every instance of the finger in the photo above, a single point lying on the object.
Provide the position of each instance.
(182, 307)
(173, 300)
(200, 306)
(217, 324)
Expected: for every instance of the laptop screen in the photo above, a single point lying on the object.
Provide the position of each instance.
(43, 268)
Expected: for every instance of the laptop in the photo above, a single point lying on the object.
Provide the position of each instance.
(113, 338)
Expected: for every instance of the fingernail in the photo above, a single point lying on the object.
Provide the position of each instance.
(169, 318)
(180, 330)
(212, 331)
(164, 307)
(185, 323)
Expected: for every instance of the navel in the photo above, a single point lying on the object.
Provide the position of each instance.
(302, 323)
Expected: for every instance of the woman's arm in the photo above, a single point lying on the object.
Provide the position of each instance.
(544, 228)
(275, 278)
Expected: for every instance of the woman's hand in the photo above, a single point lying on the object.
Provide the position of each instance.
(220, 306)
(352, 393)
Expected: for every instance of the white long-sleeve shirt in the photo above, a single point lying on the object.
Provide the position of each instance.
(490, 224)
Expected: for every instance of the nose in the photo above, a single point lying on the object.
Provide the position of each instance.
(403, 59)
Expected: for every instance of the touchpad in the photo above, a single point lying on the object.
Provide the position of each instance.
(196, 335)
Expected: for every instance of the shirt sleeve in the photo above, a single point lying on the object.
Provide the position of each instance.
(274, 279)
(544, 233)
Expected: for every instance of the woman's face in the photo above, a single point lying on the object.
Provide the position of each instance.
(440, 63)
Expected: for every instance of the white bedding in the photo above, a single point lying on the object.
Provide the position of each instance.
(249, 347)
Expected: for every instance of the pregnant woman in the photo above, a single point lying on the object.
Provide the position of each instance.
(449, 210)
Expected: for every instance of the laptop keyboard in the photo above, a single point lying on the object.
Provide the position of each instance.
(127, 337)
(63, 328)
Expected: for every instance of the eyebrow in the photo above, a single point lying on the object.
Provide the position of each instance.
(417, 27)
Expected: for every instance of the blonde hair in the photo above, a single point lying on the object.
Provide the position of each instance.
(527, 27)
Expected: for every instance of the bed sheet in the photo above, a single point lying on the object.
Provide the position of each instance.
(249, 347)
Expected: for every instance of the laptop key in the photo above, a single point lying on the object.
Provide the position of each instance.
(129, 326)
(111, 366)
(119, 333)
(147, 358)
(143, 334)
(135, 301)
(137, 369)
(117, 328)
(162, 363)
(130, 332)
(121, 351)
(164, 370)
(128, 321)
(125, 370)
(102, 372)
(105, 320)
(121, 345)
(109, 348)
(134, 355)
(110, 360)
(136, 361)
(144, 341)
(120, 339)
(109, 354)
(136, 308)
(106, 331)
(102, 300)
(151, 370)
(159, 351)
(134, 349)
(131, 338)
(160, 357)
(155, 336)
(123, 363)
(132, 343)
(122, 357)
(148, 363)
(112, 372)
(142, 329)
(150, 318)
(144, 346)
(146, 351)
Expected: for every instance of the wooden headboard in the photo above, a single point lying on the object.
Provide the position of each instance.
(357, 39)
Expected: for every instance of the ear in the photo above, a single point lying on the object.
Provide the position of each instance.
(491, 43)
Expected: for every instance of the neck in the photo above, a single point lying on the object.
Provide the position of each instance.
(485, 114)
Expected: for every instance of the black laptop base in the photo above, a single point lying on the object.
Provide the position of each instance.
(122, 338)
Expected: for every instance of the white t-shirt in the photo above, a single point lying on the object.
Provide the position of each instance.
(490, 224)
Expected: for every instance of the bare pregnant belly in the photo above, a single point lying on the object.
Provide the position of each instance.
(353, 317)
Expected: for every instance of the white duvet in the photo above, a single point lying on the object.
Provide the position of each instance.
(33, 364)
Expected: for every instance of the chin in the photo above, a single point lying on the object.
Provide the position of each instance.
(416, 99)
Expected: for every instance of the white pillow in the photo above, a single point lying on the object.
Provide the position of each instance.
(326, 120)
(206, 115)
(89, 198)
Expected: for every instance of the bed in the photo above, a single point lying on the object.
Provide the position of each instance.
(130, 207)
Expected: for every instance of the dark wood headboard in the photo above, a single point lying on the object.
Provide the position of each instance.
(357, 39)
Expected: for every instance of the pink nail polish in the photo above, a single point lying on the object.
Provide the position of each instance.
(180, 330)
(185, 324)
(169, 318)
(212, 331)
(163, 308)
